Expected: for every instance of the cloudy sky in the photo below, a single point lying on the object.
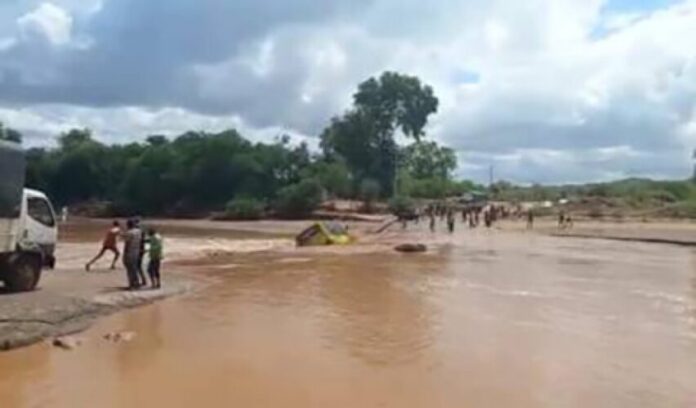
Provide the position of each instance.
(544, 90)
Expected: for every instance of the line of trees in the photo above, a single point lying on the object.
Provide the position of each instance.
(198, 172)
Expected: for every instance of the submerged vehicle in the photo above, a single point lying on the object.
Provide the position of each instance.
(324, 233)
(28, 227)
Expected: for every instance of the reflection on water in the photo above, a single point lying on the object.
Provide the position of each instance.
(496, 320)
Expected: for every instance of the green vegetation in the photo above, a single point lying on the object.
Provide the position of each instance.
(402, 206)
(364, 136)
(244, 208)
(193, 174)
(198, 172)
(634, 192)
(614, 199)
(299, 200)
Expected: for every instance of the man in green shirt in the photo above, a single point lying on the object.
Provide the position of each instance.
(155, 253)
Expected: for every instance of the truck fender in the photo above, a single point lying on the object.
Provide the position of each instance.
(31, 249)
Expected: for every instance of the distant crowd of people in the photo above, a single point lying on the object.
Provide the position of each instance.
(135, 243)
(475, 216)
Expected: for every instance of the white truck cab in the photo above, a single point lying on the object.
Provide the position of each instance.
(28, 225)
(38, 225)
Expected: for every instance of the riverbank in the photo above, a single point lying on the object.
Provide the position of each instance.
(69, 299)
(681, 233)
(67, 303)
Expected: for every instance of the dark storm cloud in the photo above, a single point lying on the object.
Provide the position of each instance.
(142, 50)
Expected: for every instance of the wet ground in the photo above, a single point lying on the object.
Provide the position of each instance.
(486, 319)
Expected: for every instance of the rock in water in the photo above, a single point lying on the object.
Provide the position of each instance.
(411, 248)
(120, 337)
(67, 342)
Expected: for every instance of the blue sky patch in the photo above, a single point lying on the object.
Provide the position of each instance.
(466, 77)
(637, 6)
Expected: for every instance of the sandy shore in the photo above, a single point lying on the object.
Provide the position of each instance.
(69, 299)
(656, 231)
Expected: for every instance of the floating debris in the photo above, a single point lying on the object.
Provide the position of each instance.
(411, 248)
(67, 342)
(120, 337)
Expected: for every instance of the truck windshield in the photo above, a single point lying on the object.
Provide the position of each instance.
(12, 167)
(40, 211)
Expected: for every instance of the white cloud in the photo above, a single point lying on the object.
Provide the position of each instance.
(41, 125)
(48, 22)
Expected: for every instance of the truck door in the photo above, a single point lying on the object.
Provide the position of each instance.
(40, 224)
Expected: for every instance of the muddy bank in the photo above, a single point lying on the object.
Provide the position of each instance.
(69, 299)
(663, 233)
(680, 233)
(29, 318)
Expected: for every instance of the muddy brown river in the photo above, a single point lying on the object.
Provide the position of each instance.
(489, 320)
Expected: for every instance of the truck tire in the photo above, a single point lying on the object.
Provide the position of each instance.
(23, 273)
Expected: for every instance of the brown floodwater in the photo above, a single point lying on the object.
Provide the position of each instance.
(493, 320)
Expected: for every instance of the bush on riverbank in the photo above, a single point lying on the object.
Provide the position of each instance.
(299, 200)
(244, 209)
(402, 206)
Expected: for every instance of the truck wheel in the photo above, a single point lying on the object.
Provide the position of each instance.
(23, 273)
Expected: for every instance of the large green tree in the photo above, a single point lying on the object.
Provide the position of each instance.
(364, 137)
(426, 160)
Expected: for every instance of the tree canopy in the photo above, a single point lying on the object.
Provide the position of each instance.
(198, 172)
(364, 137)
(426, 160)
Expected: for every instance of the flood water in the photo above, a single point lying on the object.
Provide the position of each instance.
(496, 320)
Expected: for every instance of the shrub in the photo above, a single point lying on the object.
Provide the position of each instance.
(299, 200)
(684, 209)
(402, 206)
(595, 213)
(244, 208)
(369, 193)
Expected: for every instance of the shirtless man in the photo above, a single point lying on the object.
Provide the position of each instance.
(108, 244)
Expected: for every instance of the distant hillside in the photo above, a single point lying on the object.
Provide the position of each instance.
(629, 197)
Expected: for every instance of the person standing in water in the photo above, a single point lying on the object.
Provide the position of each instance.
(108, 244)
(488, 218)
(141, 256)
(431, 214)
(530, 219)
(131, 253)
(450, 221)
(569, 222)
(154, 241)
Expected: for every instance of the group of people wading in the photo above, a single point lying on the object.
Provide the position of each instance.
(474, 216)
(469, 215)
(135, 242)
